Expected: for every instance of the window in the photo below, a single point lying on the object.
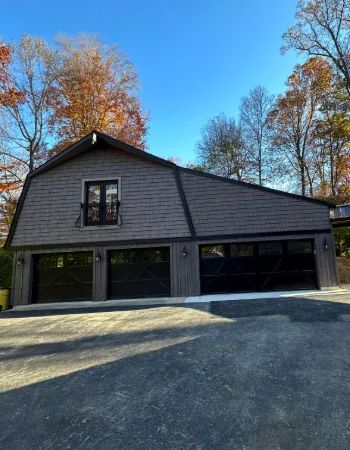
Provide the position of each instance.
(299, 247)
(50, 262)
(102, 203)
(79, 260)
(124, 257)
(270, 248)
(238, 250)
(155, 256)
(213, 251)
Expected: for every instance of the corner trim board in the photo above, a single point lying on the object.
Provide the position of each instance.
(7, 244)
(184, 202)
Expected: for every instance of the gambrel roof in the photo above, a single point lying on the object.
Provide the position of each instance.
(188, 182)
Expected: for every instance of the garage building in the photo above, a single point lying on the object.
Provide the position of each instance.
(103, 220)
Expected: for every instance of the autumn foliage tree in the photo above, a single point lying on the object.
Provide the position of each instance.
(332, 140)
(9, 95)
(9, 180)
(96, 90)
(25, 125)
(9, 186)
(292, 122)
(322, 29)
(51, 95)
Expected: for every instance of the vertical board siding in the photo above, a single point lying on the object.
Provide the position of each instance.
(151, 206)
(22, 279)
(222, 208)
(326, 261)
(16, 281)
(185, 271)
(100, 275)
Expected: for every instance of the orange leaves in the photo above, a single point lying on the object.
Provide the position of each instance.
(8, 182)
(315, 72)
(96, 91)
(9, 95)
(310, 126)
(293, 119)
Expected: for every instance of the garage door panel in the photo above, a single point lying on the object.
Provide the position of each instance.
(242, 265)
(62, 277)
(50, 277)
(216, 284)
(123, 289)
(152, 288)
(297, 264)
(139, 273)
(49, 294)
(243, 283)
(259, 266)
(269, 264)
(79, 292)
(122, 273)
(157, 271)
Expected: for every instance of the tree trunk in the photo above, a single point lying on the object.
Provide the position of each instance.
(303, 182)
(331, 166)
(31, 157)
(260, 163)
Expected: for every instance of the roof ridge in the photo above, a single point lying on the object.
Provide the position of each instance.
(90, 140)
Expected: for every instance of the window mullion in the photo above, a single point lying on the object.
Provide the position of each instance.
(103, 203)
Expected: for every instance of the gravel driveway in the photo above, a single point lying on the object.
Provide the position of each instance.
(245, 375)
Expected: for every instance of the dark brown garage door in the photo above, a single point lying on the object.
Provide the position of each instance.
(63, 277)
(139, 273)
(258, 266)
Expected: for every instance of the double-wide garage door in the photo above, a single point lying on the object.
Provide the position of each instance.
(259, 266)
(139, 273)
(62, 277)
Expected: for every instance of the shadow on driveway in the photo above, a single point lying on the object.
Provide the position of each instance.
(297, 309)
(255, 375)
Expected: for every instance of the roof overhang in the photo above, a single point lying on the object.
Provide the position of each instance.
(95, 139)
(340, 222)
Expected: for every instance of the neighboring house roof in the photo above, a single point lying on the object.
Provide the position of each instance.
(96, 138)
(340, 216)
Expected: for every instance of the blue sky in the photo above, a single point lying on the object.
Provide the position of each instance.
(195, 58)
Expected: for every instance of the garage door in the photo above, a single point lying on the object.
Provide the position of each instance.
(258, 266)
(139, 273)
(63, 277)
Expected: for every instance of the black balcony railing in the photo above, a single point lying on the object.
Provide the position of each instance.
(97, 213)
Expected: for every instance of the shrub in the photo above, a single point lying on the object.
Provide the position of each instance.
(342, 241)
(5, 269)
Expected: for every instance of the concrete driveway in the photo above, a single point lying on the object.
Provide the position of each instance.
(246, 375)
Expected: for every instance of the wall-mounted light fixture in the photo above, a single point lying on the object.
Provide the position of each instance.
(184, 252)
(325, 244)
(98, 257)
(20, 260)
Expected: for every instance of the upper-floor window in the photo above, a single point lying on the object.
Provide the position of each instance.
(101, 203)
